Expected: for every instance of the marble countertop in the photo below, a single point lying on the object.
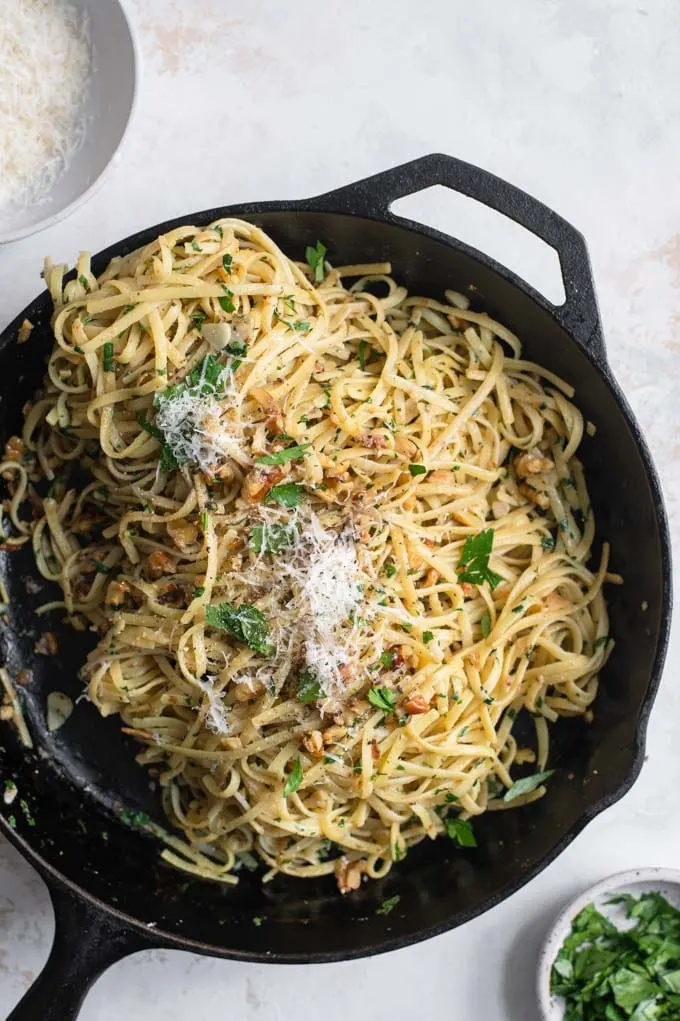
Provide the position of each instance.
(577, 103)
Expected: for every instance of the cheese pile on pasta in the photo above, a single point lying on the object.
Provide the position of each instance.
(334, 539)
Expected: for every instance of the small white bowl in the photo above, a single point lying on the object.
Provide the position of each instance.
(108, 108)
(637, 881)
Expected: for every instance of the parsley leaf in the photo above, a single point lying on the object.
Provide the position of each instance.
(390, 569)
(474, 560)
(389, 904)
(309, 688)
(526, 785)
(602, 640)
(387, 658)
(287, 495)
(295, 778)
(382, 698)
(244, 622)
(547, 542)
(461, 831)
(427, 637)
(283, 456)
(272, 538)
(108, 356)
(226, 262)
(417, 469)
(315, 260)
(226, 302)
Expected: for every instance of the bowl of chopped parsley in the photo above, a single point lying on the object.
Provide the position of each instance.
(614, 953)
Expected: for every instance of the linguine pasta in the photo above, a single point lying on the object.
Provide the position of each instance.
(334, 539)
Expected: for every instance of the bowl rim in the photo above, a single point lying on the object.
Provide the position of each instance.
(658, 874)
(93, 188)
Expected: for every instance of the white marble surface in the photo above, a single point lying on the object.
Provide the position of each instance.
(577, 102)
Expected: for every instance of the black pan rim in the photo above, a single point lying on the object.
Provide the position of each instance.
(161, 938)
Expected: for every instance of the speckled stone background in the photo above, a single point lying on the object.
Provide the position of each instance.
(578, 102)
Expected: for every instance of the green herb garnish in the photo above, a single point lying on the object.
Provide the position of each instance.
(272, 538)
(390, 569)
(602, 640)
(417, 469)
(526, 785)
(382, 698)
(315, 259)
(474, 560)
(284, 456)
(547, 542)
(391, 902)
(226, 263)
(108, 356)
(226, 303)
(427, 637)
(295, 778)
(309, 688)
(387, 658)
(244, 622)
(289, 494)
(461, 831)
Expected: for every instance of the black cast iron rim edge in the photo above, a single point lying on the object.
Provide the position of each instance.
(160, 938)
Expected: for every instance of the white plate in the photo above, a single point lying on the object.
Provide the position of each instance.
(638, 881)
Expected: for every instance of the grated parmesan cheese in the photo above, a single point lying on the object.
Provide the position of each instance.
(44, 74)
(216, 714)
(196, 425)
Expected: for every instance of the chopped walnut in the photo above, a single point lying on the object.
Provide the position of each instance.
(374, 441)
(334, 734)
(348, 874)
(24, 331)
(535, 496)
(14, 449)
(47, 644)
(159, 564)
(182, 533)
(117, 592)
(313, 743)
(259, 481)
(415, 704)
(532, 462)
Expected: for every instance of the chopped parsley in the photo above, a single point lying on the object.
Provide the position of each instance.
(427, 637)
(473, 566)
(315, 260)
(108, 356)
(284, 456)
(387, 658)
(602, 640)
(244, 622)
(295, 778)
(417, 469)
(382, 698)
(199, 591)
(131, 818)
(526, 785)
(390, 569)
(547, 542)
(226, 263)
(606, 974)
(272, 538)
(365, 353)
(287, 495)
(309, 689)
(391, 902)
(460, 830)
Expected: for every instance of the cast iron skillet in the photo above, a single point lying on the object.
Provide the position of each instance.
(111, 893)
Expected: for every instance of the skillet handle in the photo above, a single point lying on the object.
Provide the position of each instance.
(86, 942)
(373, 197)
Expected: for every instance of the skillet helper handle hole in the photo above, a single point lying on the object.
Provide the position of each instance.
(86, 942)
(574, 304)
